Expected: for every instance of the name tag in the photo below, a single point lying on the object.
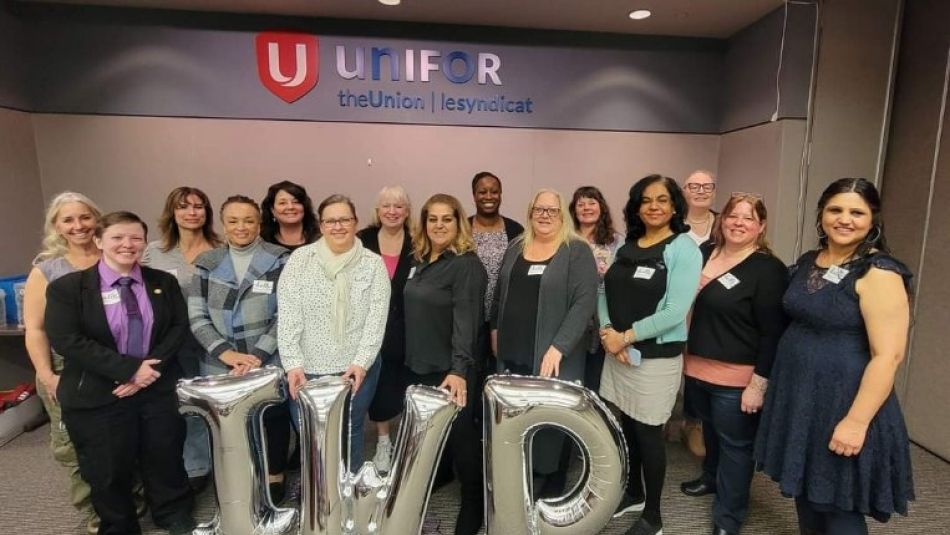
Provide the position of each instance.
(728, 280)
(537, 269)
(644, 272)
(111, 297)
(835, 274)
(263, 287)
(412, 271)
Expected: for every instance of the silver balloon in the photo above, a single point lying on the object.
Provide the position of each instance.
(335, 501)
(233, 407)
(516, 408)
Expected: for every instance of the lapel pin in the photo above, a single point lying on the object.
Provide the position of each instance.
(157, 291)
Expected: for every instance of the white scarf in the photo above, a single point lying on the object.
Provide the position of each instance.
(337, 268)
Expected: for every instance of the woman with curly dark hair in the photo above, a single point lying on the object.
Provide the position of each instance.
(648, 291)
(288, 217)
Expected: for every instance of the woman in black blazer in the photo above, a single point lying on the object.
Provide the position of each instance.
(119, 326)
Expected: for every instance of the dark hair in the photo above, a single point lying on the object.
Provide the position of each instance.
(631, 211)
(169, 228)
(336, 198)
(269, 225)
(118, 218)
(239, 199)
(484, 174)
(866, 190)
(604, 229)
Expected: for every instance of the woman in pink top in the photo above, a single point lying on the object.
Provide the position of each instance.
(736, 324)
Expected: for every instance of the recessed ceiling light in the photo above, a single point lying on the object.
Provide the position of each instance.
(390, 2)
(638, 14)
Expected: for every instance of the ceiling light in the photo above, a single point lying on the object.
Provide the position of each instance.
(638, 14)
(390, 2)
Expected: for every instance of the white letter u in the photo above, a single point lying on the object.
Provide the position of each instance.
(273, 56)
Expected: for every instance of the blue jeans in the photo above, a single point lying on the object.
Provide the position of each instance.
(197, 452)
(729, 434)
(359, 406)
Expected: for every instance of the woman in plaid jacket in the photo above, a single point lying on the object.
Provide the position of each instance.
(232, 307)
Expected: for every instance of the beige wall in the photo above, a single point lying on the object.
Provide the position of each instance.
(132, 162)
(21, 202)
(766, 159)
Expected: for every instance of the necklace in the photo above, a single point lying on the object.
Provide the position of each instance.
(704, 220)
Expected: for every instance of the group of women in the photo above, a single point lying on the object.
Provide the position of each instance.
(792, 374)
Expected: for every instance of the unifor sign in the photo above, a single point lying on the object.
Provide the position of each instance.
(336, 500)
(289, 63)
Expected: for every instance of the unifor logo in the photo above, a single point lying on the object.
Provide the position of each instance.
(288, 63)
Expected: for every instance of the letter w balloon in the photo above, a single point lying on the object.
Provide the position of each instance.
(335, 501)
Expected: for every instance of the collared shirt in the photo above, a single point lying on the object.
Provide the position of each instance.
(115, 312)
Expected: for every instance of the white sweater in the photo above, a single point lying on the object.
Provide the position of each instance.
(304, 297)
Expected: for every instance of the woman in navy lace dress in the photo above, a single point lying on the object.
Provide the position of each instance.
(832, 433)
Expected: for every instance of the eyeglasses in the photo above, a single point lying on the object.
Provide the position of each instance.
(342, 222)
(696, 187)
(552, 211)
(756, 196)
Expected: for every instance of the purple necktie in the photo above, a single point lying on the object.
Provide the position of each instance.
(134, 346)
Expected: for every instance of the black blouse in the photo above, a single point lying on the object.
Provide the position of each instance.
(738, 316)
(444, 303)
(634, 285)
(520, 317)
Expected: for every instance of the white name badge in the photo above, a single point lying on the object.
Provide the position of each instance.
(537, 269)
(835, 274)
(412, 271)
(644, 272)
(111, 297)
(263, 287)
(728, 280)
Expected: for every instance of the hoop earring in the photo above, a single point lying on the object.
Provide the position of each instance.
(820, 231)
(869, 240)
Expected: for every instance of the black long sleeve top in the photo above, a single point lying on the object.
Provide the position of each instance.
(444, 302)
(738, 316)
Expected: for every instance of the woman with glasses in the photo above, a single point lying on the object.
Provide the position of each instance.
(736, 323)
(700, 192)
(444, 297)
(288, 218)
(187, 227)
(593, 222)
(334, 300)
(232, 306)
(649, 290)
(545, 297)
(390, 236)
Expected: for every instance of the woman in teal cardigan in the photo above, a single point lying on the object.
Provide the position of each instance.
(648, 291)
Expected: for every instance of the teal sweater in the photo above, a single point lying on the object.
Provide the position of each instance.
(684, 265)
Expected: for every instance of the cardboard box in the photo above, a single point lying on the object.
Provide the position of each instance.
(27, 415)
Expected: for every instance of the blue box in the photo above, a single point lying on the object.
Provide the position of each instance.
(9, 287)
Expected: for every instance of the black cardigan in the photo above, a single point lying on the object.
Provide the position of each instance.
(742, 324)
(513, 229)
(394, 340)
(79, 331)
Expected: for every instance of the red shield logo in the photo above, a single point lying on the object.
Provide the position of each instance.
(288, 63)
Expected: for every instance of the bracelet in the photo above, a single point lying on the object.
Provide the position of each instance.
(628, 340)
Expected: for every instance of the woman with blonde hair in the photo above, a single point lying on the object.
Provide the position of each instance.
(390, 236)
(444, 300)
(547, 286)
(68, 246)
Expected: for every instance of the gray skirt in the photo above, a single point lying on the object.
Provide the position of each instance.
(646, 392)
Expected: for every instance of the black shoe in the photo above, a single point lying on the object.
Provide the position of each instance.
(628, 505)
(698, 487)
(182, 527)
(719, 531)
(198, 483)
(277, 491)
(642, 527)
(470, 519)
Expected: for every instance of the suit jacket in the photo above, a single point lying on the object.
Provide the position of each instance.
(78, 330)
(394, 341)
